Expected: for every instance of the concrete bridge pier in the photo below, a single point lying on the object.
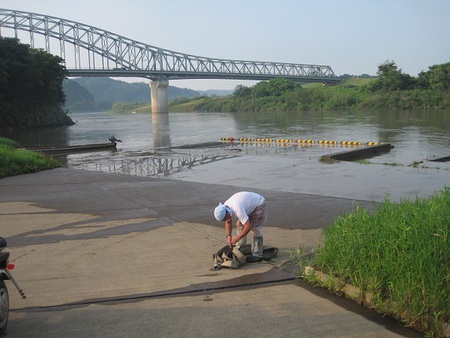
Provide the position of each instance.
(161, 130)
(159, 98)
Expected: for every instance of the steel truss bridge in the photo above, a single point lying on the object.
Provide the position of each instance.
(91, 51)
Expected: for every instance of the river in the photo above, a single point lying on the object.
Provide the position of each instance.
(153, 146)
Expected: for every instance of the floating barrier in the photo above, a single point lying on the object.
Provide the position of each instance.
(440, 159)
(358, 154)
(359, 150)
(298, 142)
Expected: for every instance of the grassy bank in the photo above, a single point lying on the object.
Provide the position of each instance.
(14, 161)
(204, 104)
(400, 253)
(130, 107)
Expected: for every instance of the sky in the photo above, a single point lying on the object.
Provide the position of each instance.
(352, 36)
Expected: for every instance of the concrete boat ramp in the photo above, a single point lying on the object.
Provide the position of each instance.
(108, 255)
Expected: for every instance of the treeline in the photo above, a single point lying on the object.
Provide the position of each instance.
(391, 89)
(31, 93)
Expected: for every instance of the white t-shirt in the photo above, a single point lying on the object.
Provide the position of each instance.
(244, 203)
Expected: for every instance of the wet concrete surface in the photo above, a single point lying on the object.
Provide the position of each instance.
(114, 255)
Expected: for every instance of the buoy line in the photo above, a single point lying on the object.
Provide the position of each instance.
(299, 141)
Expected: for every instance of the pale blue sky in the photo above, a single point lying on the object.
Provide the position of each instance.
(351, 36)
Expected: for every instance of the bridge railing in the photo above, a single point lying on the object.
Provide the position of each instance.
(90, 51)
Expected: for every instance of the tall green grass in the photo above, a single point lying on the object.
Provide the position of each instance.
(401, 253)
(8, 142)
(14, 161)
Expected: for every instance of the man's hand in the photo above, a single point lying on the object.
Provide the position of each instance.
(230, 240)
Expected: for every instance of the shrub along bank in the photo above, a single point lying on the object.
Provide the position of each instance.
(15, 161)
(400, 254)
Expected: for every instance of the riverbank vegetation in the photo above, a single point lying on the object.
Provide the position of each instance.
(130, 107)
(391, 89)
(400, 254)
(16, 161)
(31, 93)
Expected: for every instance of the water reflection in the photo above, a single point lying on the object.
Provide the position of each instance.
(40, 138)
(154, 166)
(51, 137)
(381, 126)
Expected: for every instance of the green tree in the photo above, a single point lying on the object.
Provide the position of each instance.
(31, 86)
(242, 91)
(14, 58)
(48, 75)
(437, 77)
(391, 78)
(274, 87)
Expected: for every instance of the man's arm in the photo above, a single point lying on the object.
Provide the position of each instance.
(229, 230)
(244, 232)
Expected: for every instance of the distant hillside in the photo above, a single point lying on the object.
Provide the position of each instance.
(216, 92)
(78, 98)
(99, 93)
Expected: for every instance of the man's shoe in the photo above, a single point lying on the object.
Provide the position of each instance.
(254, 259)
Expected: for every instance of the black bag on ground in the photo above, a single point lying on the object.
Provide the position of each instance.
(232, 257)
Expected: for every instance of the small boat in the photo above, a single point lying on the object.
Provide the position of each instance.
(77, 148)
(441, 159)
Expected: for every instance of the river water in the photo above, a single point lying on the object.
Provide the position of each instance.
(173, 146)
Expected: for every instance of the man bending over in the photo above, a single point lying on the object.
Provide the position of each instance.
(250, 210)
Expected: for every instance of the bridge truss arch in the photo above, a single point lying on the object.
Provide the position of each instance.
(91, 51)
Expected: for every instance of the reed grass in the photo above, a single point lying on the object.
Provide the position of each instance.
(8, 142)
(14, 161)
(401, 253)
